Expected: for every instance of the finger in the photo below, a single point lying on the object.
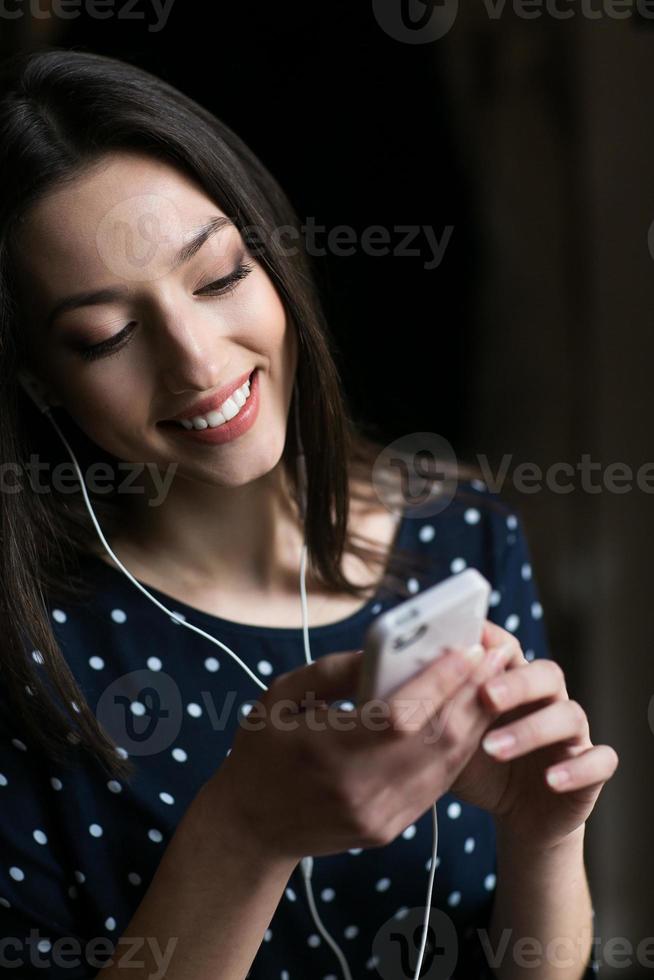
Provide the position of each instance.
(557, 722)
(594, 766)
(531, 682)
(494, 636)
(415, 702)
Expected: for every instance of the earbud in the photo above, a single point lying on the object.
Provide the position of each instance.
(34, 390)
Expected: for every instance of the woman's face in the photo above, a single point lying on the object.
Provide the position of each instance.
(169, 342)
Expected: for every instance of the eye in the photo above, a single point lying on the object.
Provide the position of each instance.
(219, 287)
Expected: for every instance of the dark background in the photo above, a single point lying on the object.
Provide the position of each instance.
(534, 140)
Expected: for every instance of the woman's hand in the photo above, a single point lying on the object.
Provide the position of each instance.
(551, 735)
(306, 778)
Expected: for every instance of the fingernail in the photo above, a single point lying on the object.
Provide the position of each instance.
(497, 693)
(497, 743)
(558, 777)
(474, 653)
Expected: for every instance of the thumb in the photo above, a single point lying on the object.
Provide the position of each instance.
(332, 677)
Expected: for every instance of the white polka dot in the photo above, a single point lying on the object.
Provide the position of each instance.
(133, 878)
(79, 877)
(372, 963)
(472, 516)
(402, 913)
(489, 882)
(246, 708)
(179, 755)
(212, 664)
(16, 874)
(478, 485)
(426, 533)
(37, 656)
(3, 779)
(512, 623)
(95, 830)
(194, 709)
(351, 931)
(410, 832)
(39, 837)
(121, 752)
(428, 864)
(469, 845)
(153, 663)
(454, 810)
(313, 940)
(290, 894)
(355, 850)
(59, 615)
(5, 904)
(536, 610)
(264, 667)
(383, 884)
(137, 708)
(529, 654)
(267, 936)
(29, 690)
(376, 608)
(176, 616)
(454, 898)
(97, 663)
(413, 585)
(19, 745)
(155, 835)
(457, 565)
(512, 522)
(114, 786)
(166, 798)
(55, 783)
(118, 615)
(284, 975)
(346, 706)
(494, 598)
(44, 945)
(525, 571)
(110, 923)
(327, 894)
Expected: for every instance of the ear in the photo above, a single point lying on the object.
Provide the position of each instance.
(36, 390)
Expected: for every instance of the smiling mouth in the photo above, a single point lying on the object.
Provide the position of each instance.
(230, 409)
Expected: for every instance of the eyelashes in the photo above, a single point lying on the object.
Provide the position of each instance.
(219, 287)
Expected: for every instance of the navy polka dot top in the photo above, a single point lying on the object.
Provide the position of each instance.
(79, 849)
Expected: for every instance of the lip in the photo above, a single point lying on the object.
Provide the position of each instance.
(212, 402)
(228, 430)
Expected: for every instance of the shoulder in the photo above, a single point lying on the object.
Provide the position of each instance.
(476, 528)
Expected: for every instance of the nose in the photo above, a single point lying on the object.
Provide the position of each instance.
(192, 353)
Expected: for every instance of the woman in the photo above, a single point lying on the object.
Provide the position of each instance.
(143, 280)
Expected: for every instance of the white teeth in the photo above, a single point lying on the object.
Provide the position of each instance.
(227, 411)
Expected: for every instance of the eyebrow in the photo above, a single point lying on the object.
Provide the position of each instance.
(96, 297)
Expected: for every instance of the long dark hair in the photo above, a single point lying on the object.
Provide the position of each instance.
(60, 111)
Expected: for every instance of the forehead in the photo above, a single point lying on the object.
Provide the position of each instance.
(121, 220)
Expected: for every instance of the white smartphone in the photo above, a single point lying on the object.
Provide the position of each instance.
(401, 641)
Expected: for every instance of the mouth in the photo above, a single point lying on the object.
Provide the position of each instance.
(242, 407)
(229, 409)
